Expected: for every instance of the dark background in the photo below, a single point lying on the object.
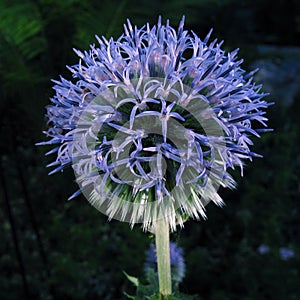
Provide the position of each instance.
(54, 249)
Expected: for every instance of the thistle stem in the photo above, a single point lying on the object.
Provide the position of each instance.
(163, 258)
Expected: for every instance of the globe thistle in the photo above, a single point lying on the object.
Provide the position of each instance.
(263, 249)
(153, 122)
(176, 260)
(286, 253)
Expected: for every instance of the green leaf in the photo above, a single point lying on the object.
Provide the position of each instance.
(154, 297)
(24, 32)
(132, 279)
(152, 277)
(129, 296)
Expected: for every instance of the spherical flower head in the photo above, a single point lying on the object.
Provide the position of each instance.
(176, 260)
(152, 123)
(286, 253)
(263, 249)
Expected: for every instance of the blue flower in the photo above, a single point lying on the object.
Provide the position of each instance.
(286, 254)
(176, 259)
(263, 249)
(153, 122)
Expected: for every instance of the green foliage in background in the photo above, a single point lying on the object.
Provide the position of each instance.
(147, 291)
(54, 249)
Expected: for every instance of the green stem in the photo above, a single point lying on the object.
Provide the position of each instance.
(163, 257)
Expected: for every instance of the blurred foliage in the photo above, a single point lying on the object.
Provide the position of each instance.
(54, 249)
(149, 290)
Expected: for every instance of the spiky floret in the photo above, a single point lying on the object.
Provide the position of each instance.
(153, 122)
